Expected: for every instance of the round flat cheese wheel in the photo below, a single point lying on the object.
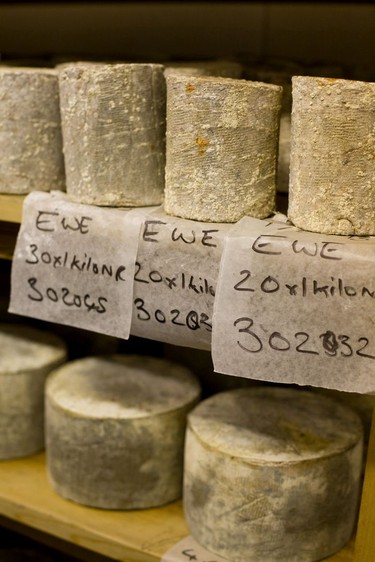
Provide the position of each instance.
(115, 430)
(272, 474)
(26, 358)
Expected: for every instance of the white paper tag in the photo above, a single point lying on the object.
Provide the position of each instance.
(296, 307)
(175, 279)
(188, 550)
(74, 264)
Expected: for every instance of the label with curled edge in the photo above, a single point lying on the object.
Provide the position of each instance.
(175, 279)
(189, 550)
(74, 264)
(296, 307)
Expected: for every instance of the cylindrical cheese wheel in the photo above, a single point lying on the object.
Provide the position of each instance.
(113, 123)
(222, 136)
(31, 156)
(27, 355)
(272, 474)
(115, 430)
(332, 164)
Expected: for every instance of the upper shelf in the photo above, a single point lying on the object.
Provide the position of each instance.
(11, 208)
(10, 218)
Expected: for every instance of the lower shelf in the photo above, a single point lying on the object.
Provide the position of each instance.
(140, 536)
(27, 498)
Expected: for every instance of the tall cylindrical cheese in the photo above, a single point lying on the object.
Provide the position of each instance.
(272, 474)
(221, 149)
(115, 430)
(31, 156)
(113, 122)
(27, 356)
(332, 166)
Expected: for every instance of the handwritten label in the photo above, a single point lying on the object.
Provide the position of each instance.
(74, 264)
(175, 279)
(188, 550)
(296, 307)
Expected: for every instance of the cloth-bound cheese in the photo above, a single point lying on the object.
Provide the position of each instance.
(332, 164)
(221, 148)
(115, 430)
(31, 156)
(113, 123)
(272, 474)
(27, 356)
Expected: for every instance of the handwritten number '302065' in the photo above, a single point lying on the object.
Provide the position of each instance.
(340, 345)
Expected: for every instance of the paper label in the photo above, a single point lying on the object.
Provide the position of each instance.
(296, 307)
(74, 264)
(188, 550)
(175, 279)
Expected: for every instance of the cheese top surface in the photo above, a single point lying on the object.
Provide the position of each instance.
(274, 424)
(23, 348)
(123, 387)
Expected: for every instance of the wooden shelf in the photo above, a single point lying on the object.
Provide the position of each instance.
(140, 536)
(8, 236)
(11, 208)
(10, 219)
(27, 498)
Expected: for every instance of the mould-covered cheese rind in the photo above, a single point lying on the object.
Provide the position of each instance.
(116, 428)
(27, 356)
(272, 474)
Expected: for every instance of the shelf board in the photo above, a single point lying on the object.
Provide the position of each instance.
(11, 217)
(27, 498)
(8, 237)
(11, 207)
(142, 536)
